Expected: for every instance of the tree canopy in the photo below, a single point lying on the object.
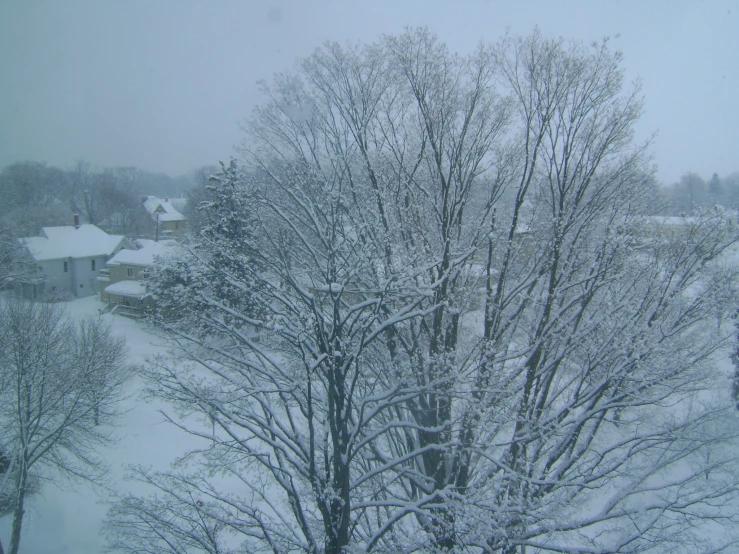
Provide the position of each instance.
(421, 315)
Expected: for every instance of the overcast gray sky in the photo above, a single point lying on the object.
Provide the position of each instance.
(162, 84)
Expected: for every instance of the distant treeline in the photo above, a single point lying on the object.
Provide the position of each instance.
(693, 192)
(36, 195)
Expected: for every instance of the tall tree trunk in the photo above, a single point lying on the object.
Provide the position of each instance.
(15, 537)
(339, 506)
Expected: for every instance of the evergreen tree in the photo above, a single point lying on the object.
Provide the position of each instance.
(715, 189)
(220, 262)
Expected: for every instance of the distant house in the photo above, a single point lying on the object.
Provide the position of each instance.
(121, 280)
(166, 213)
(653, 231)
(70, 259)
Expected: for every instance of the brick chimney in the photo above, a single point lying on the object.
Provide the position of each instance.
(76, 221)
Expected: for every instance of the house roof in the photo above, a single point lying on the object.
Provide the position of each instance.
(671, 220)
(127, 288)
(148, 249)
(85, 241)
(164, 209)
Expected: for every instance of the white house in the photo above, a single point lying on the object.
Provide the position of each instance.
(166, 213)
(71, 258)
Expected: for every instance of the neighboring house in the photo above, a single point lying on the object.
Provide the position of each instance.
(669, 227)
(655, 230)
(121, 280)
(70, 259)
(166, 213)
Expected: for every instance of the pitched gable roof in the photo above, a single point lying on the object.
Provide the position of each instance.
(163, 210)
(145, 255)
(85, 241)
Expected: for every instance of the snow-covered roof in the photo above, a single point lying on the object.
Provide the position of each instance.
(179, 204)
(127, 288)
(164, 209)
(148, 249)
(85, 241)
(672, 220)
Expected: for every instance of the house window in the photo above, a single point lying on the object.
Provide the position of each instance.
(92, 265)
(129, 271)
(66, 267)
(176, 224)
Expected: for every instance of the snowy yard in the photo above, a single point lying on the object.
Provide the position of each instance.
(66, 518)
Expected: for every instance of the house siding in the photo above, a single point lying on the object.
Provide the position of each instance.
(119, 273)
(128, 301)
(171, 229)
(79, 279)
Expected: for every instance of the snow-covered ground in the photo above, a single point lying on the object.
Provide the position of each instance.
(66, 518)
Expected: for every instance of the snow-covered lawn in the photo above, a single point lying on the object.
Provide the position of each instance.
(67, 517)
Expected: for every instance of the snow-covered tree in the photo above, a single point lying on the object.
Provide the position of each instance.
(586, 336)
(16, 266)
(282, 298)
(59, 384)
(427, 318)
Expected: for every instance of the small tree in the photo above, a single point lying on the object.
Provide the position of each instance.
(59, 384)
(15, 265)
